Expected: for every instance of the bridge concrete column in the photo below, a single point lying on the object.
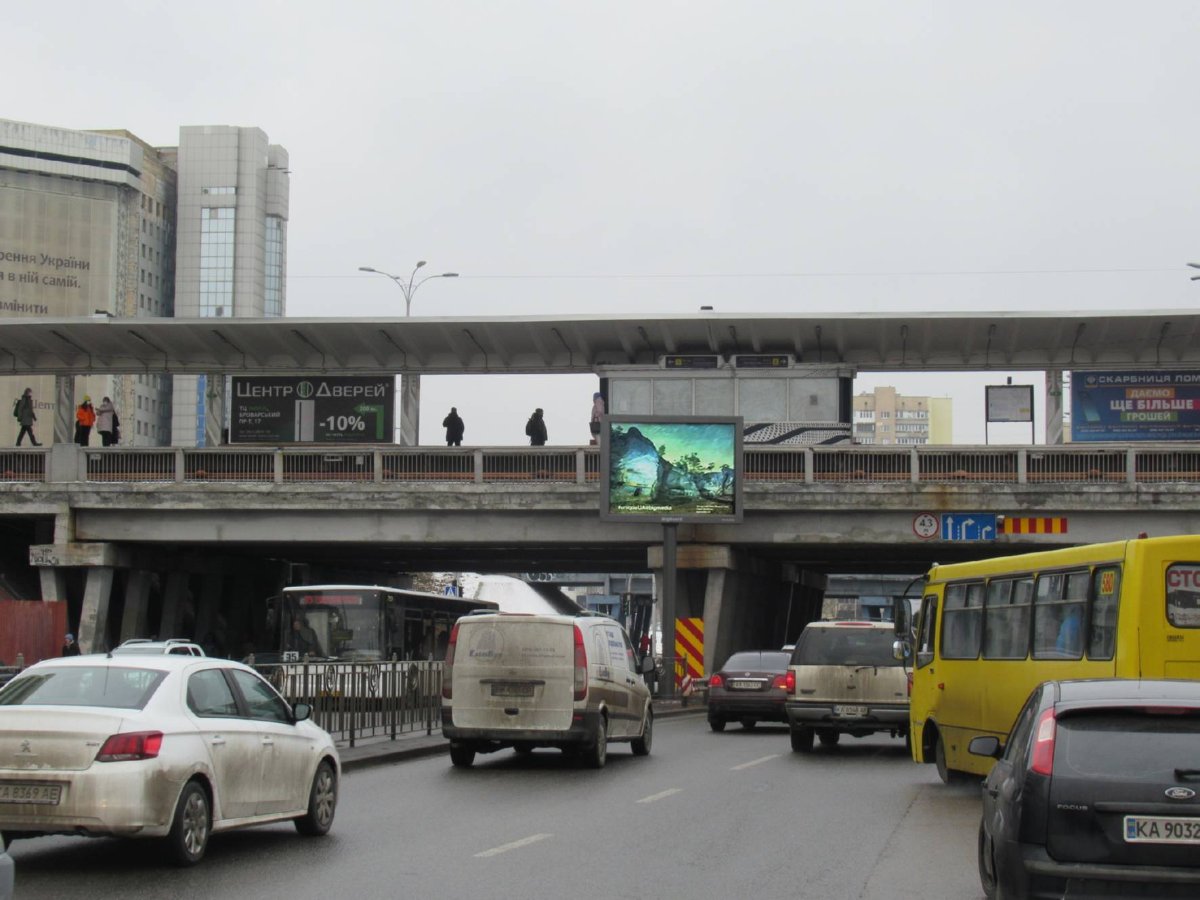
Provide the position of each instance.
(214, 410)
(135, 618)
(1054, 406)
(93, 618)
(175, 598)
(64, 410)
(208, 607)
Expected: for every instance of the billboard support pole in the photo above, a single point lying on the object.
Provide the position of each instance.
(666, 685)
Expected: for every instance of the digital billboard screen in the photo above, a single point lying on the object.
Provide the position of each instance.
(671, 468)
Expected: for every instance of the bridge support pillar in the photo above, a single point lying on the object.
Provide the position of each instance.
(93, 618)
(54, 583)
(208, 609)
(134, 619)
(174, 599)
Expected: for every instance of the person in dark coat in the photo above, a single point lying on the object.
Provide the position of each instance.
(70, 647)
(535, 428)
(455, 427)
(26, 417)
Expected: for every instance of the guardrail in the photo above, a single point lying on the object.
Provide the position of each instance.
(1107, 464)
(367, 699)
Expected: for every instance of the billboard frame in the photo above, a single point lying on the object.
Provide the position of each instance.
(610, 423)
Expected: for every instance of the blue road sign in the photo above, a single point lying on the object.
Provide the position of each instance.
(968, 526)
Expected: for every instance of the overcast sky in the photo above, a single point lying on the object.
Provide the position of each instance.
(649, 157)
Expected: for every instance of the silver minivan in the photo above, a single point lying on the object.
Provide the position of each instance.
(568, 681)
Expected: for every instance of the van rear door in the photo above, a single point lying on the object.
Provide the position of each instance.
(514, 672)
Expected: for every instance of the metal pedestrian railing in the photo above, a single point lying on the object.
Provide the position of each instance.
(353, 701)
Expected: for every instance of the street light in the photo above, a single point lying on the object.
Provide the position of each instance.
(408, 287)
(1195, 266)
(410, 394)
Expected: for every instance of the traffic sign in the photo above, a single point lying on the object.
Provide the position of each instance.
(926, 525)
(968, 526)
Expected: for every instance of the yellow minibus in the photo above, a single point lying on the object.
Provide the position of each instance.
(990, 631)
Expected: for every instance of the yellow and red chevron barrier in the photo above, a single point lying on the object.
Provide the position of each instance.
(689, 650)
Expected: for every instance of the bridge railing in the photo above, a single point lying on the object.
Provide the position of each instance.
(1099, 464)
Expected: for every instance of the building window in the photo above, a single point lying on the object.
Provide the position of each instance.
(273, 281)
(216, 261)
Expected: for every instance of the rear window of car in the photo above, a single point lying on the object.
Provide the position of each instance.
(848, 646)
(101, 686)
(1129, 745)
(758, 661)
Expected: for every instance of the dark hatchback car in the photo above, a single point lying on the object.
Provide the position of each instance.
(1096, 793)
(750, 688)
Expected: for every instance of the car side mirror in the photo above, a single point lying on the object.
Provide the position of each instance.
(646, 665)
(985, 746)
(301, 711)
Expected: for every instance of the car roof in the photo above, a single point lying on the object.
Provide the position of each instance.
(1101, 692)
(851, 623)
(161, 662)
(550, 618)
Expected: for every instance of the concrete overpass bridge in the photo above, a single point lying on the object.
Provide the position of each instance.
(169, 540)
(166, 540)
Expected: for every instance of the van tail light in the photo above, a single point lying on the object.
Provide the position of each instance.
(581, 667)
(1043, 744)
(786, 681)
(718, 680)
(133, 745)
(448, 665)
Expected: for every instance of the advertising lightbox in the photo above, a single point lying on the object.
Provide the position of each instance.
(671, 468)
(344, 409)
(1159, 405)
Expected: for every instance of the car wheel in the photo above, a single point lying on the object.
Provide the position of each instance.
(749, 724)
(802, 739)
(188, 838)
(461, 755)
(641, 745)
(596, 753)
(322, 802)
(716, 724)
(947, 774)
(987, 864)
(829, 738)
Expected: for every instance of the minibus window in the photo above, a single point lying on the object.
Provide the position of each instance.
(1102, 634)
(962, 621)
(1006, 625)
(1058, 610)
(925, 641)
(1183, 595)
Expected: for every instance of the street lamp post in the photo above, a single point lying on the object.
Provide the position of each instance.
(410, 393)
(1195, 266)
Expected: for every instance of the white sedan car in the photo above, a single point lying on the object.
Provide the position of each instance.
(173, 747)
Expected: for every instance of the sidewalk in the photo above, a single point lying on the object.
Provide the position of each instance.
(416, 744)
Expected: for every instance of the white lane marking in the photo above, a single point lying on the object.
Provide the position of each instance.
(754, 762)
(660, 795)
(515, 845)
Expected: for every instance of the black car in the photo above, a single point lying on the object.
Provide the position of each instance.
(751, 687)
(1096, 793)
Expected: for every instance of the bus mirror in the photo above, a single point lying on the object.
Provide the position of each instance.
(900, 616)
(901, 650)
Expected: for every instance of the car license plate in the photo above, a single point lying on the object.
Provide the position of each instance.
(850, 711)
(1161, 830)
(742, 684)
(24, 792)
(512, 690)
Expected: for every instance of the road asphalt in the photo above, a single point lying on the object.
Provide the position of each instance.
(415, 744)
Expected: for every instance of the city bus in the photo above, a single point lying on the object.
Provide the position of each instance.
(990, 631)
(363, 623)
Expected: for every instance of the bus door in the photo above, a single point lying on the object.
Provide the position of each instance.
(1179, 648)
(958, 667)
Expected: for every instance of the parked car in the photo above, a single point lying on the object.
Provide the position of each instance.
(520, 681)
(167, 746)
(6, 872)
(147, 647)
(847, 681)
(752, 686)
(1096, 792)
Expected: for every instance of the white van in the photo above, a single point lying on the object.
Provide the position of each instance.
(521, 681)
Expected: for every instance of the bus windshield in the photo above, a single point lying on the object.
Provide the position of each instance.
(344, 623)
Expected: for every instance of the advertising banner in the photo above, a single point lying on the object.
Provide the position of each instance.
(1135, 406)
(346, 409)
(671, 468)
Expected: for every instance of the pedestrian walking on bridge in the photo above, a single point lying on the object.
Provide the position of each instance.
(455, 428)
(535, 428)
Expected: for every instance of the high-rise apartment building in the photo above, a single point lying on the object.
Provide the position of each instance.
(886, 417)
(87, 227)
(231, 243)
